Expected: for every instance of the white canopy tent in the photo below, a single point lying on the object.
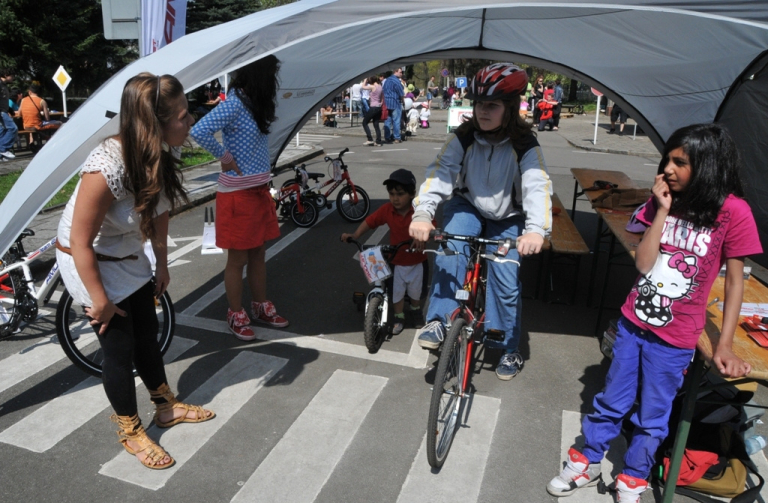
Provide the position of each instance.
(668, 63)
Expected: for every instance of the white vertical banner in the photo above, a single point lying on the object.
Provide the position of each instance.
(162, 22)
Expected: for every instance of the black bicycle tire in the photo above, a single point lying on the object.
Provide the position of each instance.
(15, 280)
(374, 332)
(310, 208)
(451, 355)
(362, 194)
(85, 362)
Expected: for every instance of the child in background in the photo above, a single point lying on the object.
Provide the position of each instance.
(424, 116)
(697, 220)
(413, 119)
(410, 268)
(547, 113)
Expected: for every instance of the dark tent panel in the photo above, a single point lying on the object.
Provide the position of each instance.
(744, 114)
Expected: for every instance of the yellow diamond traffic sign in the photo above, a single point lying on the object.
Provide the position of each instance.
(62, 78)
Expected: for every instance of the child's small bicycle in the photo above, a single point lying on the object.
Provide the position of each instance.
(378, 323)
(291, 201)
(352, 202)
(464, 329)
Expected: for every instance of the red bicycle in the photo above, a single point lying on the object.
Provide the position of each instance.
(465, 329)
(291, 201)
(352, 202)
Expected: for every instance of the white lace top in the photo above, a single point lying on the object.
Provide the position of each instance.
(119, 235)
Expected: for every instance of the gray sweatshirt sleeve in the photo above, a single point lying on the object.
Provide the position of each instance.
(537, 193)
(440, 180)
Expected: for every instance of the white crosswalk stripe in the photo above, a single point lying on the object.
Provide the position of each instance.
(225, 393)
(461, 476)
(305, 457)
(52, 422)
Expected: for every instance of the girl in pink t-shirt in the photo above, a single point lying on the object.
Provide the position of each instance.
(697, 221)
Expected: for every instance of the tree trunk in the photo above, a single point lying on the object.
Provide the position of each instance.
(572, 96)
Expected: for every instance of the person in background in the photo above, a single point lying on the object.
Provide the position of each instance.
(245, 211)
(394, 98)
(424, 117)
(432, 91)
(558, 98)
(413, 118)
(8, 129)
(356, 99)
(14, 100)
(617, 114)
(127, 186)
(35, 114)
(698, 194)
(374, 112)
(538, 94)
(328, 115)
(365, 96)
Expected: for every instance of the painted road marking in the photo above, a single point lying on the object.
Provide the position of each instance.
(461, 476)
(225, 393)
(298, 467)
(51, 423)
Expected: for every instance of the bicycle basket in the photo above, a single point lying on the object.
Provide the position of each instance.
(374, 266)
(337, 170)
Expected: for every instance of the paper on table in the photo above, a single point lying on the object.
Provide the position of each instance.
(750, 309)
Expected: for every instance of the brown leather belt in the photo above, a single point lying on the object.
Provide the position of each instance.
(99, 256)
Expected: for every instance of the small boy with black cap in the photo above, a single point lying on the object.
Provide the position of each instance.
(410, 268)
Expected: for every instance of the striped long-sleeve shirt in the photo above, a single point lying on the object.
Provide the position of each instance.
(242, 138)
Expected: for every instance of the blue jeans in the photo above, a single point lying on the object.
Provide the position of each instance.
(392, 124)
(366, 105)
(643, 367)
(7, 133)
(502, 301)
(357, 106)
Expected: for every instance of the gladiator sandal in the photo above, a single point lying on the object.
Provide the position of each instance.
(164, 393)
(132, 430)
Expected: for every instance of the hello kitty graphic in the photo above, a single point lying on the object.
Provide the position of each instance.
(670, 279)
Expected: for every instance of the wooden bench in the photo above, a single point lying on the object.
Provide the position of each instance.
(577, 109)
(25, 134)
(566, 242)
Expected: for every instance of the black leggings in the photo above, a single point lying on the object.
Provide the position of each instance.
(374, 113)
(129, 342)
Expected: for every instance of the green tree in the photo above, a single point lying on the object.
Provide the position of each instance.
(38, 36)
(202, 14)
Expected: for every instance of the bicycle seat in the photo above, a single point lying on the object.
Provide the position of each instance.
(315, 176)
(26, 233)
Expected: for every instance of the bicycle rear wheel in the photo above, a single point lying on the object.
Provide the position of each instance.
(78, 339)
(10, 311)
(307, 217)
(447, 403)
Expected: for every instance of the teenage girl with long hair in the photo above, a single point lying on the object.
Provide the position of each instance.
(127, 186)
(697, 221)
(494, 169)
(245, 212)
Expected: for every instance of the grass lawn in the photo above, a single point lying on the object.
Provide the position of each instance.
(189, 157)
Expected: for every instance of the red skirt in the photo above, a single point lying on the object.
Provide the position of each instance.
(245, 219)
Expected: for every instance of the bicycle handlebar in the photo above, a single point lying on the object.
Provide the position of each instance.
(341, 154)
(389, 249)
(503, 245)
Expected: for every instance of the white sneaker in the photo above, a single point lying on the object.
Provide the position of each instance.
(8, 155)
(578, 473)
(629, 489)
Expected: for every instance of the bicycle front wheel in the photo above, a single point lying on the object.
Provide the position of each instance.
(78, 339)
(446, 406)
(10, 311)
(348, 208)
(374, 331)
(306, 216)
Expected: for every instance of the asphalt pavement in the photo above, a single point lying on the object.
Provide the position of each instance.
(306, 414)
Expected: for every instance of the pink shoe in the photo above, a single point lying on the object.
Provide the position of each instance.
(239, 325)
(266, 313)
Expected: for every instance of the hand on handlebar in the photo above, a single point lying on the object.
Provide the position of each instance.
(345, 237)
(419, 231)
(529, 244)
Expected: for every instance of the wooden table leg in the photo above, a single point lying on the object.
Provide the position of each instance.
(683, 428)
(595, 257)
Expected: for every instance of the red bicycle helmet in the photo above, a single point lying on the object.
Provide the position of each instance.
(500, 81)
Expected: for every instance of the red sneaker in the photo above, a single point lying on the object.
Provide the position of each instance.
(265, 312)
(239, 325)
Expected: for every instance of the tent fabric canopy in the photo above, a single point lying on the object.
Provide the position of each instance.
(668, 63)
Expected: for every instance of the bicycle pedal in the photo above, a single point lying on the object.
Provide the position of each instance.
(495, 335)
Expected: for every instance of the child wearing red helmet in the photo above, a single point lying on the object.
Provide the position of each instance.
(500, 189)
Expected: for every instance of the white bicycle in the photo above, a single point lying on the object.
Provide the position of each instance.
(20, 300)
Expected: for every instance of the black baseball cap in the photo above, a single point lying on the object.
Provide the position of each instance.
(403, 177)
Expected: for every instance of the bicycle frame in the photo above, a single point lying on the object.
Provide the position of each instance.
(286, 192)
(336, 183)
(45, 292)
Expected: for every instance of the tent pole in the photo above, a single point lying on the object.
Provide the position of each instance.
(597, 116)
